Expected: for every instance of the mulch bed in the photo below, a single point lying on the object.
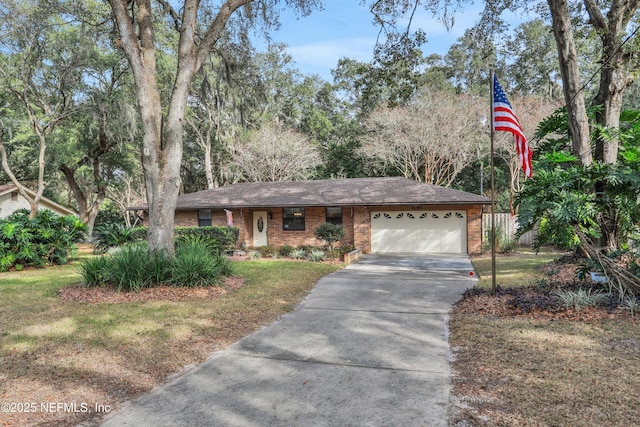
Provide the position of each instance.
(109, 294)
(502, 305)
(539, 302)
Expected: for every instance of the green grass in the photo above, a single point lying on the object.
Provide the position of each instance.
(512, 270)
(51, 350)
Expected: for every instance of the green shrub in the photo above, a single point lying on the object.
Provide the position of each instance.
(225, 236)
(330, 233)
(508, 246)
(158, 267)
(346, 249)
(504, 245)
(128, 269)
(46, 238)
(133, 267)
(268, 251)
(285, 251)
(226, 266)
(6, 261)
(306, 248)
(94, 271)
(112, 235)
(253, 254)
(194, 266)
(208, 243)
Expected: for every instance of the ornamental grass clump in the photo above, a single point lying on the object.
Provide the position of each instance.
(317, 255)
(94, 271)
(298, 254)
(134, 267)
(581, 298)
(194, 266)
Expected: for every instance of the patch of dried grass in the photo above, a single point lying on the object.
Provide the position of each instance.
(568, 367)
(120, 345)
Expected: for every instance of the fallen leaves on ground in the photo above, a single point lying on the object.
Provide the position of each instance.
(109, 294)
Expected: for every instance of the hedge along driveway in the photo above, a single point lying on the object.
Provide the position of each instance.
(54, 351)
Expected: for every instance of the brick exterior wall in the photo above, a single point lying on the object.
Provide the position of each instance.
(355, 220)
(362, 228)
(277, 236)
(474, 229)
(186, 219)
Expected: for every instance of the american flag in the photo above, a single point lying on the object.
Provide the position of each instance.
(229, 217)
(505, 119)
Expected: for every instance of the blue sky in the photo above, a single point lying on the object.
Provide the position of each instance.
(344, 29)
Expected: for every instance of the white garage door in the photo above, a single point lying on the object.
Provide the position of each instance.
(419, 231)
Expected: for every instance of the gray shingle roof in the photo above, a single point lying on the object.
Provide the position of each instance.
(339, 192)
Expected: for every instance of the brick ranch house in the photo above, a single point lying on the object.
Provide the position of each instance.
(378, 214)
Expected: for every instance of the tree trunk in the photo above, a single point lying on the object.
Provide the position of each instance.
(614, 79)
(573, 95)
(87, 214)
(208, 167)
(21, 189)
(162, 145)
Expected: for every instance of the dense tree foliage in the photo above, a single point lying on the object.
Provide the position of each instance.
(561, 199)
(134, 102)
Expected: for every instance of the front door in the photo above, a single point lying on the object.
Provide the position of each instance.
(259, 228)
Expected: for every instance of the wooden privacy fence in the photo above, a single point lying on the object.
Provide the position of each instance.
(506, 224)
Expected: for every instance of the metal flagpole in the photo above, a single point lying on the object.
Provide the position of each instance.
(493, 195)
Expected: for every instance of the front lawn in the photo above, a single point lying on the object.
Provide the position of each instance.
(571, 368)
(54, 352)
(512, 270)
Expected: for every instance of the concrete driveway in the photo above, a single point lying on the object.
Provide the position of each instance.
(367, 347)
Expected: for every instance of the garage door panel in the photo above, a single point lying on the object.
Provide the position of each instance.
(419, 231)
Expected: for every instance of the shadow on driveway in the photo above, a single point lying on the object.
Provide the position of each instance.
(367, 347)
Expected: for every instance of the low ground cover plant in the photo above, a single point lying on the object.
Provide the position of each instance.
(317, 255)
(308, 252)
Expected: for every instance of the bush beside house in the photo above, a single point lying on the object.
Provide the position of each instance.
(114, 235)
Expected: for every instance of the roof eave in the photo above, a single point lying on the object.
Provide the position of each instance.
(315, 205)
